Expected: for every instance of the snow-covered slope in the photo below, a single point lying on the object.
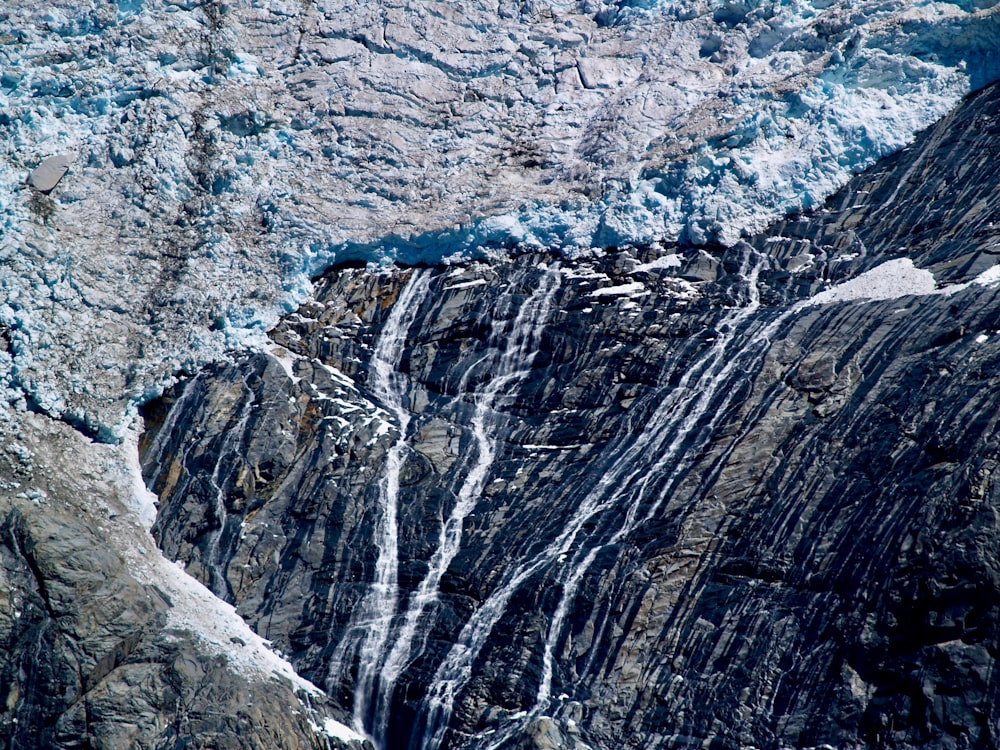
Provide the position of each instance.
(222, 152)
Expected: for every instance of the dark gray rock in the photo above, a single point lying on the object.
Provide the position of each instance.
(91, 656)
(691, 512)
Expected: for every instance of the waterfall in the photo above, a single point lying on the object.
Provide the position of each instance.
(372, 619)
(680, 426)
(229, 448)
(703, 396)
(382, 635)
(519, 343)
(179, 409)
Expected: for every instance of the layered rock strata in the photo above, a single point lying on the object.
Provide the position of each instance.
(642, 498)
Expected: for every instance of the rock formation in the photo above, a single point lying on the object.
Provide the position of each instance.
(661, 497)
(603, 462)
(106, 645)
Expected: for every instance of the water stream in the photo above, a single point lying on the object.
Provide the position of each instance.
(635, 480)
(517, 341)
(232, 442)
(371, 621)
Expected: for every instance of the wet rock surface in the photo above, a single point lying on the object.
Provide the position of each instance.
(656, 498)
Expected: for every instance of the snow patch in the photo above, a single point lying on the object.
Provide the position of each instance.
(336, 375)
(193, 608)
(632, 289)
(989, 276)
(894, 279)
(336, 730)
(672, 260)
(286, 359)
(142, 501)
(891, 280)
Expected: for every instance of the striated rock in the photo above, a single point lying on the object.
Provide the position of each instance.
(652, 497)
(629, 500)
(95, 653)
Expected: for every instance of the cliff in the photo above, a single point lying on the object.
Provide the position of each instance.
(657, 497)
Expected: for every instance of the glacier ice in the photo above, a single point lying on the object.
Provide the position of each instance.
(227, 152)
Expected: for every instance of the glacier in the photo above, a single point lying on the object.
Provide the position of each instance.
(223, 153)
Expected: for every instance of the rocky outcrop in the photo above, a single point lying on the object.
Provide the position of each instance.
(95, 655)
(739, 497)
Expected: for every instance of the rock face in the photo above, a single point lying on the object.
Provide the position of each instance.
(660, 498)
(99, 652)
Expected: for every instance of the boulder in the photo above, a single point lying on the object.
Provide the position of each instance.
(47, 175)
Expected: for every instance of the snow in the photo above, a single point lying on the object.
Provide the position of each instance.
(631, 289)
(890, 280)
(673, 260)
(989, 276)
(208, 190)
(142, 502)
(336, 375)
(193, 608)
(894, 279)
(286, 359)
(102, 486)
(207, 193)
(221, 631)
(338, 731)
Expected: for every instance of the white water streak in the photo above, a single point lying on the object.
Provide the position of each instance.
(231, 443)
(889, 281)
(372, 619)
(666, 430)
(387, 384)
(521, 341)
(678, 416)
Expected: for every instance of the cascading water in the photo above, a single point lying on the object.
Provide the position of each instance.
(381, 636)
(372, 620)
(636, 468)
(519, 342)
(161, 442)
(231, 442)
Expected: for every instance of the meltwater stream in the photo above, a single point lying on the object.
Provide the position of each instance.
(372, 619)
(380, 639)
(232, 441)
(638, 473)
(518, 341)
